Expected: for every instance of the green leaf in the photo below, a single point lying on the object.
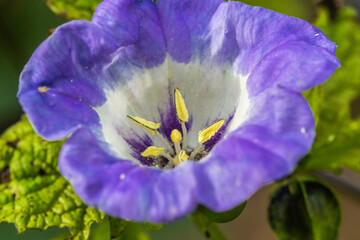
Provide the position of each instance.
(73, 9)
(117, 227)
(135, 231)
(33, 194)
(337, 142)
(206, 226)
(153, 227)
(101, 231)
(304, 209)
(62, 236)
(223, 217)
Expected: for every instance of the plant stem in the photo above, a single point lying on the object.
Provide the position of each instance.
(208, 228)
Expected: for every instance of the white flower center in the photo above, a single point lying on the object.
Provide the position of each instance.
(212, 92)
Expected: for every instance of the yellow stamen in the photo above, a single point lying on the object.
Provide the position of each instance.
(210, 131)
(176, 136)
(149, 126)
(182, 156)
(152, 151)
(181, 110)
(43, 89)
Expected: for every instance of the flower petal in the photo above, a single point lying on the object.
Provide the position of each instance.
(273, 48)
(60, 84)
(185, 26)
(134, 23)
(123, 188)
(265, 148)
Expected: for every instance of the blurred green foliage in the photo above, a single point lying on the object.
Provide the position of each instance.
(303, 9)
(24, 24)
(73, 9)
(337, 143)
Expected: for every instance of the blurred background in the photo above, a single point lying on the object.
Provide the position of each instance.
(24, 24)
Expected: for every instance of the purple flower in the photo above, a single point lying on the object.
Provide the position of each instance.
(111, 84)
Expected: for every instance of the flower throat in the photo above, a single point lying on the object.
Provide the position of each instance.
(176, 152)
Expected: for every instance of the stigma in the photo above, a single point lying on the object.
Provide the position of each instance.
(175, 152)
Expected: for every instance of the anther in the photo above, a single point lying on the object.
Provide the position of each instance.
(206, 135)
(151, 127)
(152, 151)
(181, 110)
(209, 132)
(182, 114)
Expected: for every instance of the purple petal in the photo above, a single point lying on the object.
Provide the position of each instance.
(185, 26)
(273, 48)
(55, 115)
(67, 65)
(135, 23)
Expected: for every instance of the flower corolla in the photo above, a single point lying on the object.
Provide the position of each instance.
(174, 103)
